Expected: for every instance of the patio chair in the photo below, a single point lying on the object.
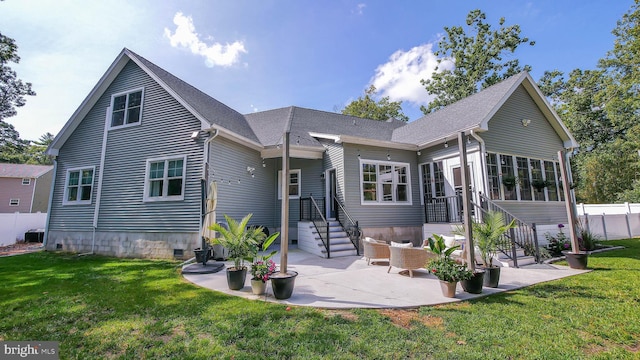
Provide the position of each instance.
(375, 249)
(409, 258)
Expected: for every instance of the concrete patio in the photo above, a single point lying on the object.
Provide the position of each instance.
(347, 282)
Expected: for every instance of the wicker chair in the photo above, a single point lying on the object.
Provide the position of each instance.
(409, 258)
(375, 249)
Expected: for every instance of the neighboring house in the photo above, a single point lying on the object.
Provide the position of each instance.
(133, 159)
(24, 188)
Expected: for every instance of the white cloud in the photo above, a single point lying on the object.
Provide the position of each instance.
(215, 54)
(360, 8)
(399, 78)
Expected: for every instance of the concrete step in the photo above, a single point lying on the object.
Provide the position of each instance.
(522, 260)
(340, 253)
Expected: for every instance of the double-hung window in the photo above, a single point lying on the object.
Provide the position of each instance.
(165, 179)
(79, 186)
(14, 202)
(384, 182)
(293, 184)
(26, 181)
(126, 108)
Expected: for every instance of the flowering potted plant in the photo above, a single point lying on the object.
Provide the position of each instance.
(262, 267)
(447, 270)
(559, 243)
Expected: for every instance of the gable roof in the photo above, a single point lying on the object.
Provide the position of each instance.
(264, 129)
(474, 113)
(208, 110)
(23, 170)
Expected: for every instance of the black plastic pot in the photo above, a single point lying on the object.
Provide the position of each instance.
(236, 278)
(282, 284)
(474, 285)
(577, 260)
(491, 277)
(202, 256)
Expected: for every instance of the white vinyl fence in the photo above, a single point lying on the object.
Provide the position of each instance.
(13, 226)
(611, 221)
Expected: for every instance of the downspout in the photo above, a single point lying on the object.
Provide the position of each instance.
(204, 182)
(50, 202)
(483, 159)
(96, 211)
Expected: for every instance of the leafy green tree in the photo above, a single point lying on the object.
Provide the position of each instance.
(366, 107)
(602, 109)
(35, 152)
(12, 89)
(482, 58)
(12, 148)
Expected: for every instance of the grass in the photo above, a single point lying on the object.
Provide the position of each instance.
(100, 307)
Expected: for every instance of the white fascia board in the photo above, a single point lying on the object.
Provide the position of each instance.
(450, 137)
(88, 103)
(378, 143)
(335, 138)
(237, 138)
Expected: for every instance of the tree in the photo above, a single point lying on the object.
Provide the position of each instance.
(11, 146)
(35, 153)
(367, 107)
(12, 89)
(602, 109)
(479, 54)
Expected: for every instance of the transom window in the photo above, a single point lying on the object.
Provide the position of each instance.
(384, 182)
(165, 179)
(293, 185)
(79, 186)
(26, 181)
(126, 108)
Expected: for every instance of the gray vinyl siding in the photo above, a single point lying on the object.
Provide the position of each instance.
(539, 212)
(164, 131)
(380, 215)
(334, 159)
(507, 135)
(311, 183)
(228, 162)
(41, 193)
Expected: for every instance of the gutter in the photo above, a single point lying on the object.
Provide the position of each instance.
(48, 221)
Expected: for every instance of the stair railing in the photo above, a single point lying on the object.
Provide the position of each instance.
(310, 211)
(523, 235)
(350, 226)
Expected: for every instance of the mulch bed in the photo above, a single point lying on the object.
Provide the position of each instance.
(19, 248)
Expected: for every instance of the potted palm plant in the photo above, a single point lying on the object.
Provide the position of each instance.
(240, 242)
(447, 270)
(486, 235)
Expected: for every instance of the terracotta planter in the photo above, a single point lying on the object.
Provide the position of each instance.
(448, 288)
(282, 284)
(491, 277)
(236, 278)
(258, 287)
(577, 260)
(474, 285)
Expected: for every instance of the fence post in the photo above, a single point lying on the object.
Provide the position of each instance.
(604, 227)
(586, 222)
(535, 241)
(626, 217)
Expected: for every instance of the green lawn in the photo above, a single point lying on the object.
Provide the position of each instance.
(100, 307)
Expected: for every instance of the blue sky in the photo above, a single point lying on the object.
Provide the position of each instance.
(261, 55)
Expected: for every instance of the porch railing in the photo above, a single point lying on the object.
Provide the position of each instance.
(310, 211)
(523, 235)
(350, 226)
(444, 209)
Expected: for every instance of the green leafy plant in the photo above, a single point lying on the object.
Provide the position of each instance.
(558, 243)
(443, 267)
(509, 181)
(240, 241)
(262, 267)
(487, 234)
(586, 240)
(540, 184)
(438, 247)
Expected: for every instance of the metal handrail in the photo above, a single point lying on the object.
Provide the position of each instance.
(353, 230)
(318, 221)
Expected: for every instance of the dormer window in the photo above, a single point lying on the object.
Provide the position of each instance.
(126, 108)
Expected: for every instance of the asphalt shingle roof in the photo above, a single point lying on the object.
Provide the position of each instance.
(215, 112)
(464, 114)
(23, 170)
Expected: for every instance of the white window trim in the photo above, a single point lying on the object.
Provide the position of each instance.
(146, 197)
(66, 186)
(291, 171)
(379, 202)
(515, 170)
(11, 202)
(110, 109)
(28, 181)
